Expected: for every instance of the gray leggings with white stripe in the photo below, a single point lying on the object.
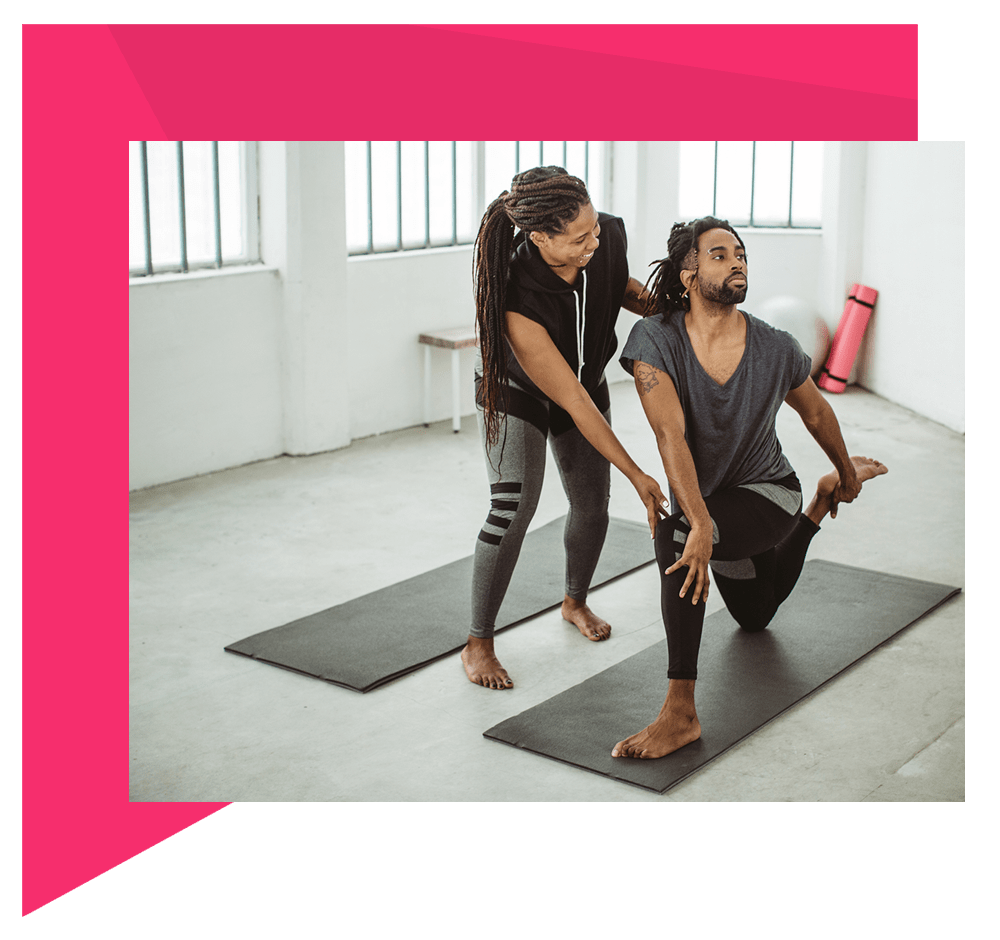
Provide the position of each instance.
(515, 478)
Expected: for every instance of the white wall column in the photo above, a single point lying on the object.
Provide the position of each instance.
(302, 232)
(844, 186)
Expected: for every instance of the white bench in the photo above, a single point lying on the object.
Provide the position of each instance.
(455, 340)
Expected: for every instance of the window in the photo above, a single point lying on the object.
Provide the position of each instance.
(405, 194)
(192, 204)
(755, 184)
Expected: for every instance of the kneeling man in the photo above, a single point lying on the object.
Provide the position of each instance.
(711, 379)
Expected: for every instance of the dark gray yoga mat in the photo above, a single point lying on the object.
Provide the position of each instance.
(373, 639)
(835, 616)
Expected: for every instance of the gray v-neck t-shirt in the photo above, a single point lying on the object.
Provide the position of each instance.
(729, 428)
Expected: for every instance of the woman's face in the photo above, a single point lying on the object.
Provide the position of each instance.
(575, 245)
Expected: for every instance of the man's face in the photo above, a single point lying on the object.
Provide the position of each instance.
(722, 267)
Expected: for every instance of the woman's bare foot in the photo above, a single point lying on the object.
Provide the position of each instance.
(481, 665)
(676, 725)
(585, 620)
(822, 502)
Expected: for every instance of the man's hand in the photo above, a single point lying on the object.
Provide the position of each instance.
(652, 498)
(697, 552)
(847, 489)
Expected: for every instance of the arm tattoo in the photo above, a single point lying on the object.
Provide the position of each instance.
(645, 378)
(636, 298)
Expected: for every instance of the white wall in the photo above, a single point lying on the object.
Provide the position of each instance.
(914, 255)
(204, 380)
(393, 298)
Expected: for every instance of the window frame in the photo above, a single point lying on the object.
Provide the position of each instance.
(750, 225)
(250, 197)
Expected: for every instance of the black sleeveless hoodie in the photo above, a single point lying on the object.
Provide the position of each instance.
(593, 303)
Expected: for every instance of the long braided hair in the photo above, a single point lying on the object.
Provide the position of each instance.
(543, 200)
(668, 293)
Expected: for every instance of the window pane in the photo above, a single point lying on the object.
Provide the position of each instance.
(441, 193)
(807, 183)
(199, 201)
(164, 211)
(552, 153)
(356, 186)
(465, 189)
(576, 159)
(529, 155)
(384, 217)
(697, 178)
(136, 225)
(596, 174)
(233, 200)
(772, 174)
(500, 167)
(734, 174)
(414, 196)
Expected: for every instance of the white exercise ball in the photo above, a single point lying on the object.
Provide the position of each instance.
(795, 316)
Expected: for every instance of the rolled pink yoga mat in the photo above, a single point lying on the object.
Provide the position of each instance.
(834, 375)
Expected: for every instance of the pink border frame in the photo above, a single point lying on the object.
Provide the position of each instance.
(89, 89)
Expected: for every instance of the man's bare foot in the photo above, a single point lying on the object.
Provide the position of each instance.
(864, 467)
(481, 665)
(585, 620)
(676, 725)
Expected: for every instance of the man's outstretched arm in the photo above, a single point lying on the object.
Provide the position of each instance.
(666, 418)
(822, 424)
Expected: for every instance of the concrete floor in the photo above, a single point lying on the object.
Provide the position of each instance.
(219, 557)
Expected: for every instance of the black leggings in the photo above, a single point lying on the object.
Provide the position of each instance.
(760, 541)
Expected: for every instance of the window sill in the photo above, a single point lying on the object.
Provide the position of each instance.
(409, 253)
(201, 274)
(775, 230)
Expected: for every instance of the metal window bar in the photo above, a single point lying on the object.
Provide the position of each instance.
(753, 177)
(399, 195)
(145, 206)
(216, 203)
(180, 201)
(368, 166)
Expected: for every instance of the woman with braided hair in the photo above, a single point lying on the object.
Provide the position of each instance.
(547, 301)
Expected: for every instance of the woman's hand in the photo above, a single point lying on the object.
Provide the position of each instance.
(697, 552)
(652, 498)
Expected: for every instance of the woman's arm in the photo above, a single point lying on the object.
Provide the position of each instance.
(546, 367)
(666, 417)
(636, 299)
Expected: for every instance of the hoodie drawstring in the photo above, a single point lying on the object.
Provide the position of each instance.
(581, 325)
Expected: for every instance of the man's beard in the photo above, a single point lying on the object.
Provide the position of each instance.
(724, 294)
